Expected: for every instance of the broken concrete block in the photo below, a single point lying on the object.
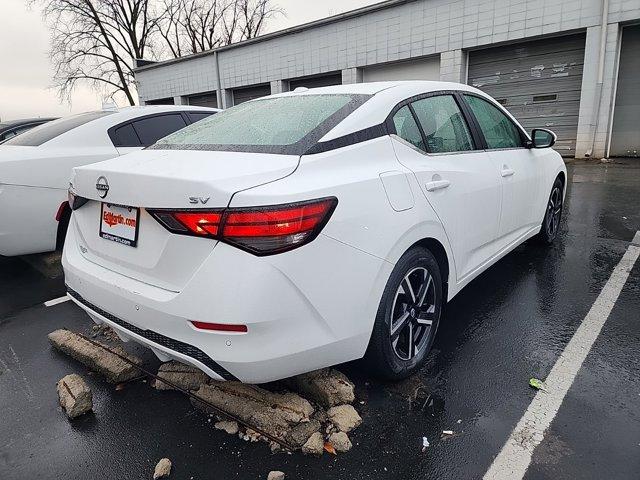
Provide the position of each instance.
(275, 413)
(298, 435)
(163, 469)
(230, 427)
(275, 475)
(328, 387)
(340, 441)
(315, 445)
(181, 375)
(111, 366)
(344, 417)
(75, 395)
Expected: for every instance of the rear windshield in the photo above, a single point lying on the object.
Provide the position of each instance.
(288, 125)
(43, 133)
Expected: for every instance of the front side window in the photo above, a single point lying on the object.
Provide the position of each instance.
(443, 124)
(271, 125)
(407, 128)
(498, 129)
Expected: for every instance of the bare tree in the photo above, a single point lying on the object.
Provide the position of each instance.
(98, 41)
(192, 26)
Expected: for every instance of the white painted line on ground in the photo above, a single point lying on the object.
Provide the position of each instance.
(513, 460)
(56, 301)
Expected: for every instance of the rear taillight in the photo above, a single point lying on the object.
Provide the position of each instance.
(258, 230)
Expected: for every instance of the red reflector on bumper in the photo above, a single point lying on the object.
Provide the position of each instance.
(220, 327)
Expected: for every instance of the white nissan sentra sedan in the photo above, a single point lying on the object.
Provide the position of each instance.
(309, 228)
(35, 167)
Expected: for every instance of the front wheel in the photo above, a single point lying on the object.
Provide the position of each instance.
(553, 214)
(408, 316)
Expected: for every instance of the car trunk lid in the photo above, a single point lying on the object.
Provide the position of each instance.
(175, 180)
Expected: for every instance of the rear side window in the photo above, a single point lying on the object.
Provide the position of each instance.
(125, 136)
(197, 116)
(44, 133)
(152, 129)
(407, 128)
(444, 127)
(498, 129)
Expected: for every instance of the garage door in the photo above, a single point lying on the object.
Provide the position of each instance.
(160, 101)
(625, 136)
(241, 95)
(327, 80)
(204, 100)
(539, 83)
(415, 69)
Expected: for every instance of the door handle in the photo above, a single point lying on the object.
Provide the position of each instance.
(437, 185)
(507, 172)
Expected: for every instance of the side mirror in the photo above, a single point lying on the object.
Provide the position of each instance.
(542, 138)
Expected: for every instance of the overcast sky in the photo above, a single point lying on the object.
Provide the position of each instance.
(26, 71)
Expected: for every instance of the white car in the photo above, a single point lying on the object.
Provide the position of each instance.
(35, 167)
(309, 228)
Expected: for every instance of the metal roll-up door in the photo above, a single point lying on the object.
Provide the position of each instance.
(160, 101)
(625, 135)
(327, 80)
(204, 100)
(241, 95)
(539, 82)
(414, 69)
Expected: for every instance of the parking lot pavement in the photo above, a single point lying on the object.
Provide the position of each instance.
(510, 324)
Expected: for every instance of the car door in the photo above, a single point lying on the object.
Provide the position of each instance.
(519, 167)
(457, 179)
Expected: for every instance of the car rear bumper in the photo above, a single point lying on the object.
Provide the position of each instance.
(301, 313)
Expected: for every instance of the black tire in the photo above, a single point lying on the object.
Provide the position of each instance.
(63, 225)
(388, 353)
(553, 214)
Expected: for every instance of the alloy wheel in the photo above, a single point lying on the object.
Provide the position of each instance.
(413, 314)
(554, 210)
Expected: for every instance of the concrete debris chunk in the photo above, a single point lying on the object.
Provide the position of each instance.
(328, 387)
(111, 366)
(340, 441)
(315, 445)
(181, 375)
(344, 417)
(299, 434)
(230, 427)
(275, 475)
(163, 469)
(275, 413)
(75, 395)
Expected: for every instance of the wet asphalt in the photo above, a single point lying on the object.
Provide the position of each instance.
(508, 325)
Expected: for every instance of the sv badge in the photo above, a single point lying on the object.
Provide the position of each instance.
(197, 200)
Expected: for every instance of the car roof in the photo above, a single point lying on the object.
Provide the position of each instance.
(374, 88)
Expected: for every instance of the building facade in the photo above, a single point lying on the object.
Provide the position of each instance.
(571, 66)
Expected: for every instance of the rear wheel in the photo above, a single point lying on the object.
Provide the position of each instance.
(553, 214)
(408, 316)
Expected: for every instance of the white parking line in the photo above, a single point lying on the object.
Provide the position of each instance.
(56, 301)
(513, 460)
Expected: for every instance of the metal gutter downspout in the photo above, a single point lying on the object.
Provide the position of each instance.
(598, 92)
(219, 89)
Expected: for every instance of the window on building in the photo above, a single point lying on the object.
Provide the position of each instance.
(498, 129)
(443, 124)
